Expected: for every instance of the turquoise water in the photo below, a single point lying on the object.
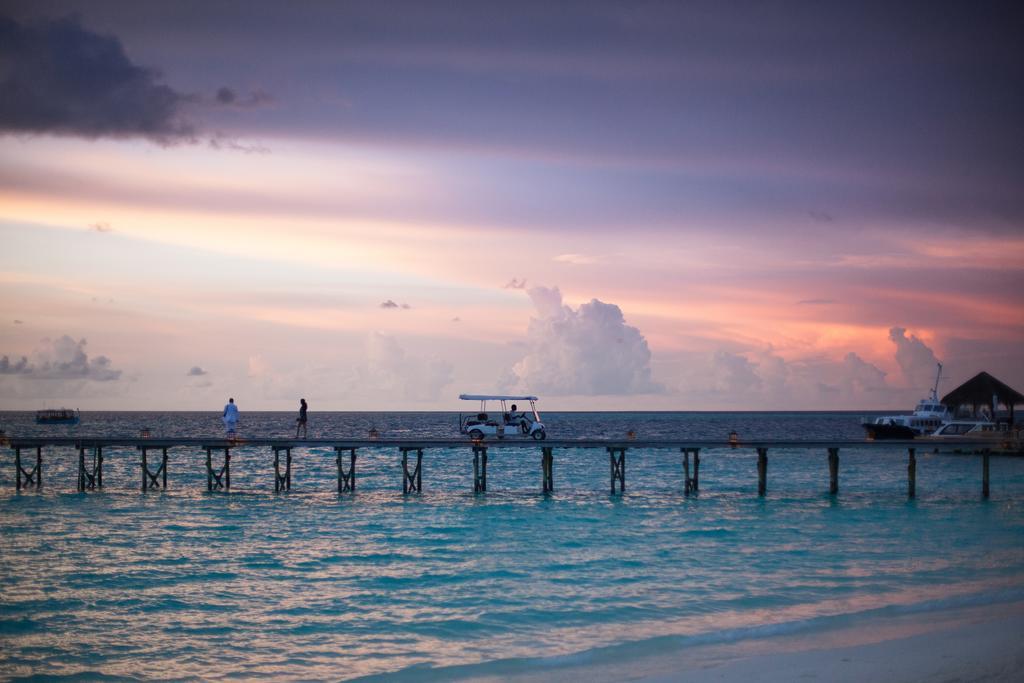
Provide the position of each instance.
(314, 585)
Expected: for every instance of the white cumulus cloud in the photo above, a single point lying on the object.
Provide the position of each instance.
(916, 360)
(588, 350)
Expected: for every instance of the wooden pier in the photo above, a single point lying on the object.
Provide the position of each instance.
(154, 459)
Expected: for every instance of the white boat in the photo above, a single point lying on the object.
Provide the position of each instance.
(1000, 434)
(509, 422)
(929, 415)
(969, 429)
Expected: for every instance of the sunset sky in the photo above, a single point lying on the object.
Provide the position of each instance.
(614, 205)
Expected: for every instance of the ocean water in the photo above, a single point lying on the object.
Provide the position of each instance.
(312, 585)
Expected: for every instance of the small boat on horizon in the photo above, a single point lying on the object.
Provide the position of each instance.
(929, 415)
(57, 416)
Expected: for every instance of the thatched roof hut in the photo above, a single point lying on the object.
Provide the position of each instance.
(984, 390)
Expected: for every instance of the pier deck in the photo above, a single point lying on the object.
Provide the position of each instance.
(215, 442)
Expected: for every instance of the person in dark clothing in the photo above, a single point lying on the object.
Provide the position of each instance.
(300, 422)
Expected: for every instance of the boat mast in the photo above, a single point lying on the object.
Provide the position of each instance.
(935, 389)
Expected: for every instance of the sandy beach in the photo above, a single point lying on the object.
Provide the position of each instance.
(970, 644)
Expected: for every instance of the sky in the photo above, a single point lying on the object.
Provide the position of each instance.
(612, 205)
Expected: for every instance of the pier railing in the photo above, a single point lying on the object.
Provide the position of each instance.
(154, 459)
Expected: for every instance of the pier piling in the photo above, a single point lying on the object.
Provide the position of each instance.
(479, 469)
(984, 475)
(696, 469)
(547, 466)
(152, 480)
(283, 482)
(617, 458)
(90, 477)
(833, 471)
(762, 471)
(911, 473)
(686, 471)
(218, 479)
(346, 479)
(412, 482)
(23, 477)
(690, 484)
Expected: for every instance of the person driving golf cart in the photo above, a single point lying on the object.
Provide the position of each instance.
(511, 422)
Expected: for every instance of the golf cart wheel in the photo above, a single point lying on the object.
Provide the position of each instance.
(540, 435)
(476, 435)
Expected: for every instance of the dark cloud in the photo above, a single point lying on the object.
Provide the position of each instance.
(20, 367)
(62, 358)
(58, 77)
(391, 304)
(220, 141)
(815, 302)
(228, 97)
(821, 216)
(516, 283)
(101, 226)
(196, 371)
(61, 78)
(19, 322)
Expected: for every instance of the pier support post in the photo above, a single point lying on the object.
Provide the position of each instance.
(282, 482)
(152, 480)
(833, 471)
(686, 471)
(346, 479)
(23, 477)
(984, 475)
(696, 469)
(690, 484)
(479, 469)
(412, 482)
(218, 479)
(617, 460)
(547, 466)
(90, 477)
(762, 471)
(911, 473)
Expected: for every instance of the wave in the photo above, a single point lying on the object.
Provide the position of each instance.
(631, 650)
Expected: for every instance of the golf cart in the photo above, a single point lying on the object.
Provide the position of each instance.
(509, 422)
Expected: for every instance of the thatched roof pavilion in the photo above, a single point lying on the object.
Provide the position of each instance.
(984, 390)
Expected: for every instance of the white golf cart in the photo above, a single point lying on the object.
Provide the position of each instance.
(509, 422)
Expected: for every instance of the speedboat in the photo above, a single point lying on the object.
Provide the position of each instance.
(58, 416)
(509, 422)
(928, 416)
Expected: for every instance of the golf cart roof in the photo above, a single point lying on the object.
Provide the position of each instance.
(495, 397)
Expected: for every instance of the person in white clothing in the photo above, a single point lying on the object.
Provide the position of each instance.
(230, 417)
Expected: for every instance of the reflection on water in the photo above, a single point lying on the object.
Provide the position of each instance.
(315, 585)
